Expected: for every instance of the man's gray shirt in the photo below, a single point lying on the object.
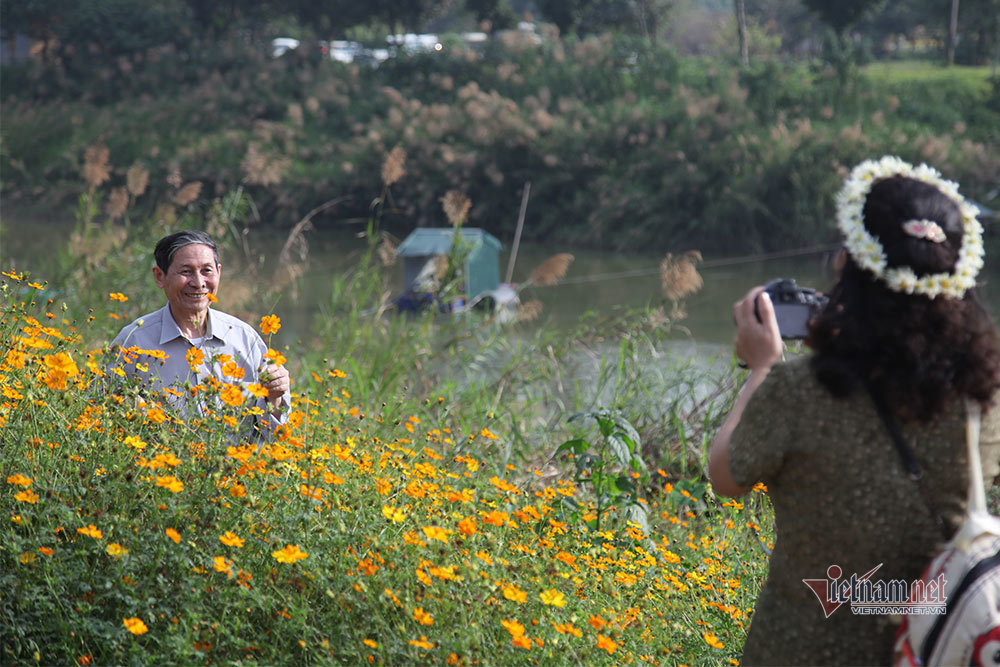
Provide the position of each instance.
(226, 337)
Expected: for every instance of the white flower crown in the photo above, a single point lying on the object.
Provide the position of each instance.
(868, 253)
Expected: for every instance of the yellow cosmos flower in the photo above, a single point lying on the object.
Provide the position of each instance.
(436, 533)
(135, 626)
(393, 514)
(422, 617)
(486, 433)
(257, 390)
(174, 535)
(91, 531)
(553, 598)
(231, 540)
(118, 296)
(289, 554)
(115, 550)
(270, 324)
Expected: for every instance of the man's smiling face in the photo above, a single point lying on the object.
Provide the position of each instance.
(191, 277)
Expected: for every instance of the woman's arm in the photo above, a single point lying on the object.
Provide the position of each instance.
(758, 344)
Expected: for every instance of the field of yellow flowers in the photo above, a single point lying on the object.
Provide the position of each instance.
(384, 530)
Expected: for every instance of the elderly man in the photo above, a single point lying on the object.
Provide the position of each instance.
(198, 343)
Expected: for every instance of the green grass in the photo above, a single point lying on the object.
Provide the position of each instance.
(902, 72)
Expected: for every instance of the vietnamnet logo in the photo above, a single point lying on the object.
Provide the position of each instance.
(868, 596)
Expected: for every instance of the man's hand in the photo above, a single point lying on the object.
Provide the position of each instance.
(277, 382)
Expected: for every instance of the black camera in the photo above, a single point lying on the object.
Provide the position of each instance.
(794, 306)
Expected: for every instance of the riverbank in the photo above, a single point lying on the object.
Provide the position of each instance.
(626, 148)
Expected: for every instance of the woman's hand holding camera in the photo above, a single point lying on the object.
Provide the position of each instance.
(758, 340)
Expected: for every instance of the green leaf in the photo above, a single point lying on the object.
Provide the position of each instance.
(576, 445)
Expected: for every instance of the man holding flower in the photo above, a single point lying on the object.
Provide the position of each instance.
(186, 347)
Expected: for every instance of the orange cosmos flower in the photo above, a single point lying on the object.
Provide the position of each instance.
(212, 298)
(91, 531)
(118, 296)
(289, 554)
(515, 594)
(422, 617)
(422, 643)
(233, 370)
(174, 535)
(275, 357)
(596, 622)
(46, 551)
(19, 479)
(467, 526)
(194, 358)
(606, 643)
(712, 640)
(170, 483)
(513, 627)
(231, 395)
(568, 629)
(270, 324)
(231, 540)
(16, 358)
(486, 433)
(135, 626)
(223, 564)
(521, 642)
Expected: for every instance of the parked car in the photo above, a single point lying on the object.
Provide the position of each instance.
(282, 45)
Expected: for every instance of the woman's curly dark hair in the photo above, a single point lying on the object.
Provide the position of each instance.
(918, 354)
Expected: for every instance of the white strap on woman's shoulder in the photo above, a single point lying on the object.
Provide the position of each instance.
(977, 492)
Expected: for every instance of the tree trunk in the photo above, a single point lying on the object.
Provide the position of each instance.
(741, 24)
(952, 32)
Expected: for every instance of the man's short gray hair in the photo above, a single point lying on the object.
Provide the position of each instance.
(168, 246)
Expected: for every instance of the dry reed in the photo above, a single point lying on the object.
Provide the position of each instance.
(456, 207)
(95, 165)
(679, 278)
(394, 166)
(552, 270)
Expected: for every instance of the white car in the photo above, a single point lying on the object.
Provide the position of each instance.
(282, 45)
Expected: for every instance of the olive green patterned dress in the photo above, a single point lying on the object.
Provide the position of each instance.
(841, 497)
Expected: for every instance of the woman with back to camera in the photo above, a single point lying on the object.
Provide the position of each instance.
(902, 327)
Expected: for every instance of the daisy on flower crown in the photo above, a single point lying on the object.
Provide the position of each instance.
(868, 253)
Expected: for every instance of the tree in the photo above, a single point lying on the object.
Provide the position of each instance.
(741, 24)
(842, 14)
(952, 32)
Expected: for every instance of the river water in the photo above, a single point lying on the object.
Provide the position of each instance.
(602, 282)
